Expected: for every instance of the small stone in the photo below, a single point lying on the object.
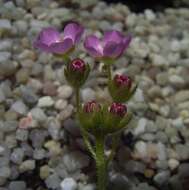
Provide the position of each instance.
(29, 95)
(38, 154)
(17, 185)
(44, 172)
(22, 134)
(54, 127)
(132, 167)
(87, 94)
(150, 15)
(75, 160)
(22, 76)
(149, 173)
(19, 107)
(45, 101)
(61, 104)
(49, 89)
(162, 78)
(176, 80)
(27, 165)
(38, 114)
(5, 25)
(162, 178)
(173, 164)
(2, 96)
(26, 122)
(53, 147)
(181, 96)
(65, 91)
(176, 183)
(68, 184)
(119, 181)
(66, 113)
(17, 156)
(162, 152)
(141, 149)
(182, 151)
(162, 137)
(8, 126)
(162, 164)
(38, 137)
(183, 170)
(53, 181)
(5, 172)
(139, 95)
(140, 127)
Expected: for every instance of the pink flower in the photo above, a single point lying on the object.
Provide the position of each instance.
(112, 45)
(50, 40)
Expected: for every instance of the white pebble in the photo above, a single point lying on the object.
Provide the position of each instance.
(68, 184)
(45, 101)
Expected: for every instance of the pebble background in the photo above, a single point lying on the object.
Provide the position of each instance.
(40, 143)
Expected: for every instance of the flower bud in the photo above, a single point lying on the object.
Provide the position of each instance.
(76, 72)
(92, 106)
(121, 88)
(118, 109)
(78, 65)
(123, 81)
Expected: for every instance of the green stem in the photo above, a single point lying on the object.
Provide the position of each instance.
(77, 99)
(101, 164)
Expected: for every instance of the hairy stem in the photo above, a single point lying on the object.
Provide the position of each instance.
(101, 164)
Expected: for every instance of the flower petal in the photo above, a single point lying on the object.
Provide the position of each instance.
(41, 46)
(61, 47)
(127, 41)
(73, 31)
(48, 36)
(112, 36)
(113, 50)
(93, 46)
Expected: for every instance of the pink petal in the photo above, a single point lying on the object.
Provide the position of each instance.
(61, 47)
(48, 36)
(127, 41)
(113, 50)
(73, 31)
(93, 46)
(112, 36)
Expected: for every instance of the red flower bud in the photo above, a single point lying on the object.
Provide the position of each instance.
(118, 109)
(91, 106)
(78, 65)
(123, 81)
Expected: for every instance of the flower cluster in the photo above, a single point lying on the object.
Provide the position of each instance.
(96, 119)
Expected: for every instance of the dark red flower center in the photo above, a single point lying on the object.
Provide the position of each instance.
(78, 65)
(118, 109)
(123, 80)
(91, 106)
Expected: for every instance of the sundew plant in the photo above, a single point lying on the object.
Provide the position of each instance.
(94, 118)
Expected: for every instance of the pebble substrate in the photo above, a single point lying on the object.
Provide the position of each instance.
(40, 144)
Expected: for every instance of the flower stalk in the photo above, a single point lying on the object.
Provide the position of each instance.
(101, 164)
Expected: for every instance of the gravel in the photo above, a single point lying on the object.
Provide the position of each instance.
(39, 137)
